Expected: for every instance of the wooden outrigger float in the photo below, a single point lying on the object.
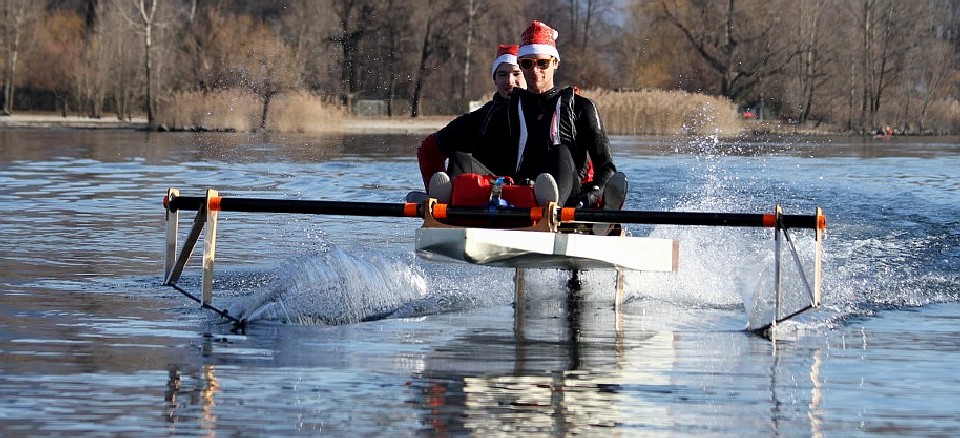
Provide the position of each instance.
(541, 245)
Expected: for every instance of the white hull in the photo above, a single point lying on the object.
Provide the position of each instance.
(535, 249)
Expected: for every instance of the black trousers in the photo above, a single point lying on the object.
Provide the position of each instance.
(559, 164)
(462, 162)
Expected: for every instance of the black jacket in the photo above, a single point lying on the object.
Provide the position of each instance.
(578, 127)
(483, 133)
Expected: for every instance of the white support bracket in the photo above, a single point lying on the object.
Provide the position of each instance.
(205, 221)
(781, 234)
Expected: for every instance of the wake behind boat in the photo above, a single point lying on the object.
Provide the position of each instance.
(546, 244)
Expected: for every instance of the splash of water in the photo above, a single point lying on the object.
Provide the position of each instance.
(721, 267)
(334, 287)
(868, 266)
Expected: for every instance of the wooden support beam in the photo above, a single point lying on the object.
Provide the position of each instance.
(209, 247)
(187, 248)
(172, 222)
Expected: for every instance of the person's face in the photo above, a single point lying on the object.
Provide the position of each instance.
(508, 77)
(538, 70)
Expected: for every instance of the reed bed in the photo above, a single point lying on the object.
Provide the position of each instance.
(943, 118)
(658, 112)
(232, 110)
(305, 113)
(648, 112)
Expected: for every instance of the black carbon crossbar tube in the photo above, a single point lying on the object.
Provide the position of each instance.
(463, 212)
(297, 206)
(693, 218)
(343, 208)
(189, 203)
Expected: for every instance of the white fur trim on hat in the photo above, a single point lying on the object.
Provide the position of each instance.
(505, 58)
(539, 49)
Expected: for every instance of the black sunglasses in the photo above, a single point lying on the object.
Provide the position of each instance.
(528, 63)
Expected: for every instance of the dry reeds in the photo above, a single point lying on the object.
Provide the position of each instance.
(233, 110)
(943, 118)
(657, 112)
(649, 112)
(305, 113)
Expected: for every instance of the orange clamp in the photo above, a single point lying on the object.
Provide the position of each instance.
(439, 211)
(410, 209)
(769, 220)
(215, 203)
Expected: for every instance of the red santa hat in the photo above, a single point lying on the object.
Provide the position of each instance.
(505, 54)
(539, 39)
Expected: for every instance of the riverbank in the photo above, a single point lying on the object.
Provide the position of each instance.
(354, 125)
(37, 121)
(357, 125)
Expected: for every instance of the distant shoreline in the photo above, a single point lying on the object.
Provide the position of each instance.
(395, 125)
(350, 125)
(39, 121)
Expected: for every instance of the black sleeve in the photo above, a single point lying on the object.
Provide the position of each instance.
(592, 138)
(460, 135)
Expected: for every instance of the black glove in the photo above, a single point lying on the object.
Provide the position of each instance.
(590, 195)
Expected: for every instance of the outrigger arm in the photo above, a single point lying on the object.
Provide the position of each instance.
(436, 214)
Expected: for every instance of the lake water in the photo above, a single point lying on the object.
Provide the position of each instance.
(384, 344)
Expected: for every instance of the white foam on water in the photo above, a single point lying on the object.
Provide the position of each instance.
(454, 287)
(334, 287)
(725, 267)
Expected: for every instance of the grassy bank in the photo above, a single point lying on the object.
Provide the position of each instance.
(657, 112)
(628, 113)
(241, 112)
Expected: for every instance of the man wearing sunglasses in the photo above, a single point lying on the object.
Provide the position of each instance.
(556, 134)
(469, 140)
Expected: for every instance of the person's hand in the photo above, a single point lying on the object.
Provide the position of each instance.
(589, 196)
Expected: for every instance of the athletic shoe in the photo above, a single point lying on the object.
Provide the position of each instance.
(441, 188)
(545, 189)
(416, 197)
(614, 194)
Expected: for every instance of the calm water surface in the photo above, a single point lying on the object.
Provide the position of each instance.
(354, 336)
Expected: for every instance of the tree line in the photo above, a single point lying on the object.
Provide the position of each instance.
(852, 64)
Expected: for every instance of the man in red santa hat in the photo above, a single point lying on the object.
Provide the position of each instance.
(469, 141)
(555, 134)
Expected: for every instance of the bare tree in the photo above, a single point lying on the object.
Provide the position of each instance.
(648, 56)
(473, 8)
(143, 17)
(426, 49)
(54, 63)
(932, 74)
(267, 67)
(438, 19)
(124, 53)
(887, 28)
(89, 76)
(306, 27)
(862, 62)
(18, 17)
(353, 18)
(737, 43)
(810, 74)
(397, 39)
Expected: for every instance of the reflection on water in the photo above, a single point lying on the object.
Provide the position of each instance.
(91, 344)
(202, 394)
